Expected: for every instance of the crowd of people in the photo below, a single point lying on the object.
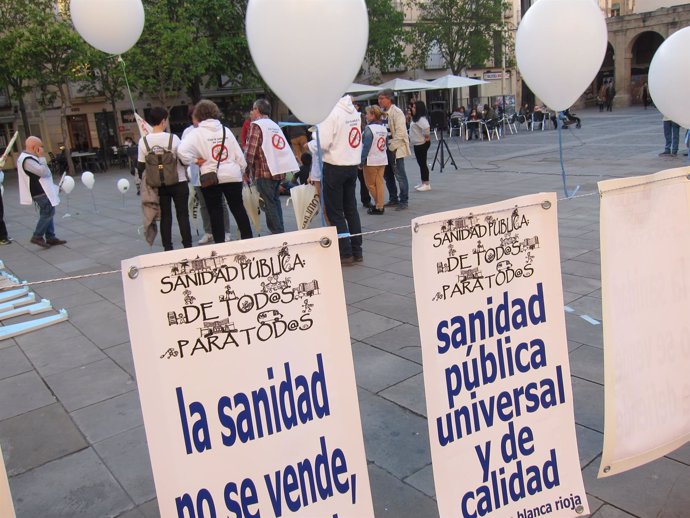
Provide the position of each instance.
(209, 163)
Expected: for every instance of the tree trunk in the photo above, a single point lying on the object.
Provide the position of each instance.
(25, 118)
(117, 128)
(65, 133)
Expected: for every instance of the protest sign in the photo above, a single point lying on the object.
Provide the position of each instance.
(496, 372)
(6, 505)
(244, 366)
(645, 252)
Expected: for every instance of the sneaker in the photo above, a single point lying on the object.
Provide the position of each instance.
(375, 211)
(55, 241)
(674, 155)
(38, 240)
(208, 238)
(347, 261)
(7, 241)
(401, 207)
(424, 187)
(665, 153)
(418, 185)
(358, 258)
(391, 203)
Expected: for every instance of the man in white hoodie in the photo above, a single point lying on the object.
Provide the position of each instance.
(341, 141)
(36, 186)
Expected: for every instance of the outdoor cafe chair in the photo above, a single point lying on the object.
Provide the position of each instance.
(539, 118)
(456, 124)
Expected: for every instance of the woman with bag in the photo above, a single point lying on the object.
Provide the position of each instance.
(214, 148)
(156, 160)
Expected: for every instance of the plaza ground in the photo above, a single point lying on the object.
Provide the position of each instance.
(71, 428)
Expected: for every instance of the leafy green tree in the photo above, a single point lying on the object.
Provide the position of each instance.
(387, 36)
(57, 56)
(106, 78)
(187, 44)
(465, 32)
(16, 70)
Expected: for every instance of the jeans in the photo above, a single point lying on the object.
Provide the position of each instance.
(179, 195)
(389, 177)
(213, 196)
(401, 177)
(672, 135)
(420, 153)
(46, 212)
(269, 192)
(339, 186)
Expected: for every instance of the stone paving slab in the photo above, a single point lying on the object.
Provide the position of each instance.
(376, 369)
(13, 362)
(23, 393)
(104, 378)
(53, 435)
(110, 417)
(126, 456)
(78, 485)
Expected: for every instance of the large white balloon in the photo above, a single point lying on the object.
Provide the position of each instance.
(335, 32)
(88, 179)
(557, 66)
(67, 184)
(123, 185)
(113, 26)
(669, 77)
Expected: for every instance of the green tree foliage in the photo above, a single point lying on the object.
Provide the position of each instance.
(16, 66)
(387, 36)
(464, 31)
(187, 44)
(47, 55)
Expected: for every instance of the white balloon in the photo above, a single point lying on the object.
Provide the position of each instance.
(67, 184)
(669, 78)
(113, 26)
(88, 179)
(123, 185)
(336, 34)
(557, 69)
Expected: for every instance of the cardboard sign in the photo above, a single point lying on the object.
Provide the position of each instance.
(496, 372)
(6, 505)
(245, 374)
(645, 252)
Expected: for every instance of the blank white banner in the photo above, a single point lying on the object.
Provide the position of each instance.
(645, 273)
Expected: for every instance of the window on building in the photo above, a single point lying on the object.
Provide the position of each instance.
(434, 60)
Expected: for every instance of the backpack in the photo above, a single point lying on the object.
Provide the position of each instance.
(161, 168)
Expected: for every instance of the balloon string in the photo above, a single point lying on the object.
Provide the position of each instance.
(319, 158)
(560, 151)
(124, 72)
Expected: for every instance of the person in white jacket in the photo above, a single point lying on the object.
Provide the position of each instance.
(205, 146)
(36, 186)
(341, 141)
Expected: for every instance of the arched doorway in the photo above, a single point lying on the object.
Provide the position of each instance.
(642, 51)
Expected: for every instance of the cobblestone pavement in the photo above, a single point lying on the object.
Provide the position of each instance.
(70, 422)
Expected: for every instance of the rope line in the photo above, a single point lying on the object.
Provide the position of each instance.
(362, 234)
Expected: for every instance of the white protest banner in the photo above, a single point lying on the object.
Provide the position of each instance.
(496, 372)
(645, 253)
(6, 505)
(244, 366)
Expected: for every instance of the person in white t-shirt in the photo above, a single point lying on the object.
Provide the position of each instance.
(177, 193)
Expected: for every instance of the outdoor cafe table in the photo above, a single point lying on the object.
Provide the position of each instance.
(81, 155)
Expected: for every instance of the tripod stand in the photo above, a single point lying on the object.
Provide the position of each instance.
(442, 148)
